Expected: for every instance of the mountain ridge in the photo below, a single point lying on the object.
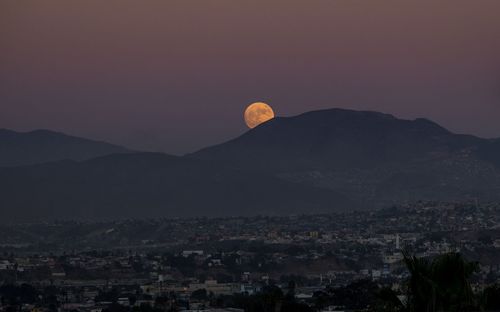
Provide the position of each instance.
(317, 161)
(373, 157)
(41, 145)
(328, 131)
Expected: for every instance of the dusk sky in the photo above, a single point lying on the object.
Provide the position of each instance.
(176, 76)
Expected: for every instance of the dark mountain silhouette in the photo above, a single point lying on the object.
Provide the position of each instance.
(39, 146)
(315, 162)
(371, 156)
(143, 185)
(336, 138)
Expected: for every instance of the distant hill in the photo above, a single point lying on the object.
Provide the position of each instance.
(39, 146)
(145, 185)
(368, 156)
(320, 161)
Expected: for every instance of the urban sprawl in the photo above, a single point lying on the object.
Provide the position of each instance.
(217, 264)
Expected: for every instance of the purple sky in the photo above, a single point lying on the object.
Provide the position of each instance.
(176, 76)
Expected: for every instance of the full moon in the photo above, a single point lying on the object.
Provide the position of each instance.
(257, 113)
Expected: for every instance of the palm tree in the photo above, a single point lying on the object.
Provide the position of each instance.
(441, 284)
(422, 290)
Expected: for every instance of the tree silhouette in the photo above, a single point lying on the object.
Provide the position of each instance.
(441, 284)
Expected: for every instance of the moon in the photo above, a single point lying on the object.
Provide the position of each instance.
(257, 113)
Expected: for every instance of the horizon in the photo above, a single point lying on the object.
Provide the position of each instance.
(196, 149)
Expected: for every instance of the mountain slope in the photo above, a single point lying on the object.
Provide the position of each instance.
(39, 146)
(143, 185)
(336, 138)
(374, 157)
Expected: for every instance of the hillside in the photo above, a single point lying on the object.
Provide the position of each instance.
(369, 156)
(151, 185)
(39, 146)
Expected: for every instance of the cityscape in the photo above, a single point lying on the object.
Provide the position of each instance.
(249, 156)
(212, 264)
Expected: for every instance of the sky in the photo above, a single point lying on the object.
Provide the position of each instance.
(176, 76)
